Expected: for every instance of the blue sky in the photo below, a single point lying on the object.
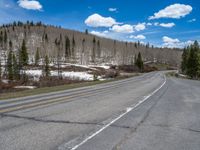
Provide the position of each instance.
(171, 23)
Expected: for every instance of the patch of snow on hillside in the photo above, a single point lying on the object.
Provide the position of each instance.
(25, 87)
(72, 75)
(33, 72)
(75, 75)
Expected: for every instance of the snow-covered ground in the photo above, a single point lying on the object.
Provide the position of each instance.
(25, 87)
(36, 74)
(74, 75)
(87, 76)
(63, 65)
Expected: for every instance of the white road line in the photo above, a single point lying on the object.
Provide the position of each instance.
(120, 116)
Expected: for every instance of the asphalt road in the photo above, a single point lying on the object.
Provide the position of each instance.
(148, 112)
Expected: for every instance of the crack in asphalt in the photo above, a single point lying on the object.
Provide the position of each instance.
(173, 127)
(49, 121)
(57, 121)
(134, 129)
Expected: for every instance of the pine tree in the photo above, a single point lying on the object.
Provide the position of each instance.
(0, 70)
(98, 49)
(73, 46)
(86, 31)
(10, 66)
(139, 62)
(93, 50)
(16, 70)
(10, 45)
(37, 57)
(46, 70)
(193, 63)
(135, 60)
(24, 54)
(83, 50)
(114, 48)
(5, 37)
(59, 48)
(67, 47)
(185, 56)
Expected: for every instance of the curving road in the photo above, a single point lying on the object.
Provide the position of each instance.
(147, 112)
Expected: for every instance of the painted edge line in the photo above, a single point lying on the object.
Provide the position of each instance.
(119, 117)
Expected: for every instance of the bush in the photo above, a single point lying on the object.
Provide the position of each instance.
(111, 74)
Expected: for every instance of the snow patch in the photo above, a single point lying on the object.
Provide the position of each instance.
(25, 87)
(36, 74)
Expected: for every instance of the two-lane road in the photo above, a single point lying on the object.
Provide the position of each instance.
(140, 113)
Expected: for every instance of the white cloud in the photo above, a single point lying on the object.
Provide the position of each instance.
(97, 20)
(175, 43)
(138, 37)
(149, 24)
(123, 28)
(30, 4)
(167, 39)
(167, 25)
(140, 26)
(102, 34)
(112, 9)
(156, 24)
(192, 20)
(175, 11)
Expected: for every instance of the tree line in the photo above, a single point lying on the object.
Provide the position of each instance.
(191, 61)
(17, 63)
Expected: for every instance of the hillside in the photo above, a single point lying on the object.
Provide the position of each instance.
(77, 47)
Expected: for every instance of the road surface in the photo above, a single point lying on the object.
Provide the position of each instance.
(148, 112)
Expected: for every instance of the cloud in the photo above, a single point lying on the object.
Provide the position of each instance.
(97, 20)
(102, 34)
(123, 28)
(112, 9)
(138, 37)
(167, 25)
(30, 4)
(192, 20)
(175, 43)
(140, 27)
(167, 39)
(126, 28)
(149, 24)
(175, 11)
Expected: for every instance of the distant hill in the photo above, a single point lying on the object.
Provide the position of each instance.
(77, 47)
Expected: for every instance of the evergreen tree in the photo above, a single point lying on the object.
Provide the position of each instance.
(46, 70)
(5, 37)
(0, 70)
(16, 70)
(10, 66)
(93, 49)
(73, 46)
(139, 62)
(59, 48)
(98, 49)
(24, 54)
(135, 60)
(86, 31)
(1, 38)
(10, 45)
(114, 48)
(83, 50)
(193, 63)
(67, 47)
(185, 56)
(37, 57)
